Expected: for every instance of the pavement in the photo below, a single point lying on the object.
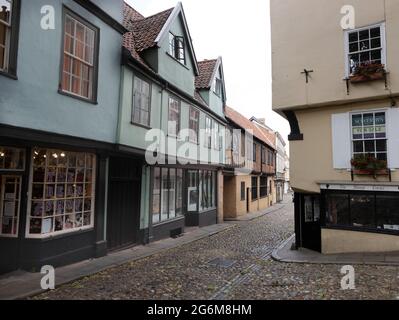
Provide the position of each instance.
(21, 284)
(285, 253)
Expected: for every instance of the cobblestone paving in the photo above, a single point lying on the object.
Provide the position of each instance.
(185, 272)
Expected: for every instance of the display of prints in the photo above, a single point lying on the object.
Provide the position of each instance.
(66, 178)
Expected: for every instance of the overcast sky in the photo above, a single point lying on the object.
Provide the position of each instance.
(240, 33)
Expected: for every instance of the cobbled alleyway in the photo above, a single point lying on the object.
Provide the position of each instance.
(245, 271)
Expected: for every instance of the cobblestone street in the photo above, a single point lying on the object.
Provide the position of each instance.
(234, 264)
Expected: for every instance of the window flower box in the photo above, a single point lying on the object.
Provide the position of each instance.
(368, 72)
(369, 165)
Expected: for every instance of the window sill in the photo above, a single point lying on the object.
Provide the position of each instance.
(8, 75)
(173, 58)
(158, 224)
(61, 235)
(363, 230)
(94, 102)
(140, 125)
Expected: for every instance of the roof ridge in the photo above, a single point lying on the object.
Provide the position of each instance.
(156, 14)
(127, 4)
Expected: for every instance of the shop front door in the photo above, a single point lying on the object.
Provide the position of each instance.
(123, 214)
(310, 223)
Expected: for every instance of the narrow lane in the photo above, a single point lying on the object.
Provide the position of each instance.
(234, 264)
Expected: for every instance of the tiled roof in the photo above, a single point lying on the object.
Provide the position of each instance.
(206, 69)
(142, 31)
(147, 30)
(130, 14)
(128, 43)
(246, 124)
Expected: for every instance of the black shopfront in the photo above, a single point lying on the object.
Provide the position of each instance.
(372, 209)
(52, 199)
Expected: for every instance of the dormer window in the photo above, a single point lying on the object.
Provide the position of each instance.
(217, 86)
(176, 48)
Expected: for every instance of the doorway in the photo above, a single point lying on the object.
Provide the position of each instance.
(310, 222)
(124, 192)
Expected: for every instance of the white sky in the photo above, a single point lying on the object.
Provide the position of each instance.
(240, 33)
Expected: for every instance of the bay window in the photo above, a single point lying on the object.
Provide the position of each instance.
(80, 55)
(62, 192)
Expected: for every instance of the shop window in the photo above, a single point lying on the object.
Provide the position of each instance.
(10, 200)
(61, 192)
(369, 211)
(12, 159)
(207, 187)
(167, 194)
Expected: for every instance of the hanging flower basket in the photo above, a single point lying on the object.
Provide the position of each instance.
(369, 165)
(368, 72)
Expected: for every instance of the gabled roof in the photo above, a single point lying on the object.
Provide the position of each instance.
(149, 32)
(261, 134)
(207, 73)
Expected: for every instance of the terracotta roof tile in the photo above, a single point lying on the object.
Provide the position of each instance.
(206, 69)
(246, 124)
(130, 14)
(128, 43)
(146, 30)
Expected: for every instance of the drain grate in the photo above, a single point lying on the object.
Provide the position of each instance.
(222, 262)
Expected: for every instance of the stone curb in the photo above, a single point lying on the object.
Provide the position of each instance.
(276, 257)
(66, 281)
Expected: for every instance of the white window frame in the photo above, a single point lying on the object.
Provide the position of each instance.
(17, 218)
(28, 235)
(374, 111)
(92, 65)
(383, 44)
(7, 45)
